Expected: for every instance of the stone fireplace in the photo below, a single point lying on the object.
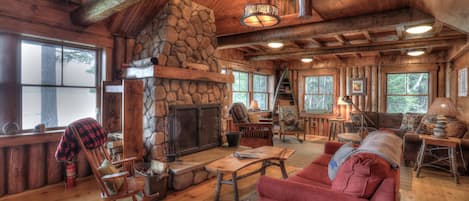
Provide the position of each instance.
(182, 32)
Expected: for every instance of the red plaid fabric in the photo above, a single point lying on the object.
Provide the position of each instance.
(91, 132)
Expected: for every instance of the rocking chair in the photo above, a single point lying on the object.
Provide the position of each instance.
(290, 123)
(131, 185)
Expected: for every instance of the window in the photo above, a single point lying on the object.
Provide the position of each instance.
(58, 84)
(319, 93)
(240, 88)
(260, 91)
(407, 92)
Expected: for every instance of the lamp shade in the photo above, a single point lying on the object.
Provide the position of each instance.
(340, 101)
(260, 15)
(443, 106)
(254, 105)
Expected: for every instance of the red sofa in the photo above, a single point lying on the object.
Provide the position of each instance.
(313, 183)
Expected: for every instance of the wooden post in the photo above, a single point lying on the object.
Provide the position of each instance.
(3, 177)
(16, 161)
(118, 57)
(375, 88)
(8, 78)
(36, 166)
(133, 118)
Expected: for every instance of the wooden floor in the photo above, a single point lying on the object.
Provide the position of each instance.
(431, 186)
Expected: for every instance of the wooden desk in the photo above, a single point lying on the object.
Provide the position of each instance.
(230, 164)
(449, 144)
(336, 125)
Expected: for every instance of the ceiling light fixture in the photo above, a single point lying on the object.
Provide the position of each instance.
(415, 53)
(306, 60)
(275, 44)
(260, 15)
(419, 29)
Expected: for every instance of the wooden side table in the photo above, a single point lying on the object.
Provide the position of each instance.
(449, 144)
(336, 125)
(350, 137)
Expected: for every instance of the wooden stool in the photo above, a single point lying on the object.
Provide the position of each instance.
(335, 126)
(449, 144)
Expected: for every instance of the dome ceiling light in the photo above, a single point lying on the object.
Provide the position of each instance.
(306, 60)
(419, 29)
(275, 45)
(415, 53)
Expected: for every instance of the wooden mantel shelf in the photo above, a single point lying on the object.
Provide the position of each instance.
(175, 73)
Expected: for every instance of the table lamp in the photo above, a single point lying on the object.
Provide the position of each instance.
(443, 108)
(340, 102)
(254, 106)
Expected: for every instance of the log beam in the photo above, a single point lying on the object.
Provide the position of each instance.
(383, 46)
(96, 11)
(305, 8)
(339, 26)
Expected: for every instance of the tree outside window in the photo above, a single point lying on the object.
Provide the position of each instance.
(240, 88)
(319, 94)
(260, 91)
(407, 92)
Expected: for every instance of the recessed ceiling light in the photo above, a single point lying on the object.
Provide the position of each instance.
(275, 44)
(419, 29)
(415, 53)
(306, 60)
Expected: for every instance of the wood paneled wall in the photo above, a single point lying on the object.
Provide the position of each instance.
(374, 69)
(27, 162)
(462, 102)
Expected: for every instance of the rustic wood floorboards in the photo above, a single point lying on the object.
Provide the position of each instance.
(431, 186)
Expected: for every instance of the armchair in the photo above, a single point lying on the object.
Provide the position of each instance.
(253, 134)
(290, 123)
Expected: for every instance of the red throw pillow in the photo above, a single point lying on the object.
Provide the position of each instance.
(361, 175)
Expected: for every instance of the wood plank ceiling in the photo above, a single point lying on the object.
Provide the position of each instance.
(354, 41)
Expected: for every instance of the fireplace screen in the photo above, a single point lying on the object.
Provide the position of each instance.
(193, 128)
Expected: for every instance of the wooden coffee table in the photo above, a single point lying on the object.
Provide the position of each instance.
(267, 155)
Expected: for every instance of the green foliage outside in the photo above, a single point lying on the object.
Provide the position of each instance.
(319, 92)
(407, 92)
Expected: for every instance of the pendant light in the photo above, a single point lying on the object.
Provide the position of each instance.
(260, 14)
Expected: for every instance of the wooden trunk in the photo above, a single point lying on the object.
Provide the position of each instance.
(16, 169)
(36, 166)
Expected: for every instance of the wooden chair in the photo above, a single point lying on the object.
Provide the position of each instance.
(253, 134)
(290, 123)
(131, 186)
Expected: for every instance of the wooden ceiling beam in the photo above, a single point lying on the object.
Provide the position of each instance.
(338, 26)
(385, 46)
(341, 39)
(368, 36)
(400, 32)
(96, 11)
(437, 27)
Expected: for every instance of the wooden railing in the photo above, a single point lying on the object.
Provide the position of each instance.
(27, 161)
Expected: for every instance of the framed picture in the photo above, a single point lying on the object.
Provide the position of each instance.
(357, 86)
(462, 82)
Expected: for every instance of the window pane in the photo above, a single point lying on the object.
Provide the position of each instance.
(40, 63)
(396, 83)
(326, 84)
(56, 106)
(312, 85)
(260, 83)
(405, 104)
(318, 104)
(241, 82)
(417, 83)
(241, 97)
(79, 67)
(261, 99)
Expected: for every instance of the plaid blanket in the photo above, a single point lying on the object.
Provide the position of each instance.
(91, 133)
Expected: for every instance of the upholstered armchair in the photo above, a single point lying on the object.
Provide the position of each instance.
(291, 123)
(255, 132)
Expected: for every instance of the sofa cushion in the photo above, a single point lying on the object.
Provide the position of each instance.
(338, 158)
(315, 172)
(361, 175)
(411, 121)
(303, 180)
(323, 159)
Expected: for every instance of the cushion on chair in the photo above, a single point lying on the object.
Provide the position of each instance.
(411, 121)
(338, 158)
(107, 168)
(361, 175)
(239, 113)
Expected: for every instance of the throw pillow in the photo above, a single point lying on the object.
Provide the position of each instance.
(107, 168)
(426, 125)
(338, 158)
(361, 175)
(411, 121)
(455, 128)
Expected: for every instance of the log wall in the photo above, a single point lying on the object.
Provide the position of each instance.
(462, 102)
(374, 69)
(27, 161)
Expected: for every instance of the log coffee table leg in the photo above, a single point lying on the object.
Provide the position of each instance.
(218, 185)
(235, 186)
(282, 168)
(265, 164)
(454, 167)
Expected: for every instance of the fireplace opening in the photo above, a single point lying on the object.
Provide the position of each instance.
(193, 128)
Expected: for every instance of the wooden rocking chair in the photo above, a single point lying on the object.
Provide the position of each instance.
(131, 185)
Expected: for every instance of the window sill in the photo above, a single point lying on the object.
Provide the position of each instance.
(30, 138)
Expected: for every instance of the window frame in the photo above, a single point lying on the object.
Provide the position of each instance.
(266, 92)
(331, 94)
(406, 94)
(248, 92)
(62, 44)
(251, 87)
